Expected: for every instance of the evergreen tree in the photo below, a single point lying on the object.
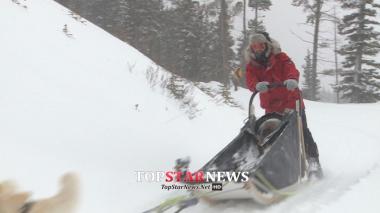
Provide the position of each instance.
(188, 43)
(260, 4)
(142, 24)
(186, 40)
(307, 75)
(361, 76)
(208, 43)
(224, 54)
(254, 25)
(181, 37)
(169, 57)
(68, 3)
(224, 91)
(257, 25)
(176, 87)
(105, 15)
(124, 19)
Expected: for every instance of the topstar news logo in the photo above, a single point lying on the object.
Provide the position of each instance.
(188, 177)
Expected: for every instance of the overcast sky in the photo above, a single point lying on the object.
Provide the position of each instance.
(283, 21)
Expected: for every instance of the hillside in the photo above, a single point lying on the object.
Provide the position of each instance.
(84, 101)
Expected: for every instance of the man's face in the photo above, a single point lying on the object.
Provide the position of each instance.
(258, 48)
(259, 51)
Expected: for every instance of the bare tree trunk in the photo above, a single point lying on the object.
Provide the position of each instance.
(359, 54)
(245, 22)
(336, 55)
(157, 55)
(317, 20)
(223, 39)
(256, 18)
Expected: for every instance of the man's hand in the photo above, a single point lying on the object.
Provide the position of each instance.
(287, 111)
(262, 86)
(291, 84)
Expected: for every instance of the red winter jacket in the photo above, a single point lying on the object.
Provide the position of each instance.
(279, 69)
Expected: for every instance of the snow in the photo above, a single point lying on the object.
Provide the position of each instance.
(84, 103)
(351, 165)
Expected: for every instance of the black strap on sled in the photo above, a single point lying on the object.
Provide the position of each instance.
(26, 207)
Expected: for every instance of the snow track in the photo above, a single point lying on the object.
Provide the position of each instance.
(349, 151)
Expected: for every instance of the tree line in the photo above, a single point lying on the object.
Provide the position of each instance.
(189, 39)
(194, 40)
(358, 75)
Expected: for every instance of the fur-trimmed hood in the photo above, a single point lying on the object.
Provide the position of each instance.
(273, 45)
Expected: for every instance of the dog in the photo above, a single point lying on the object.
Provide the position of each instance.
(65, 201)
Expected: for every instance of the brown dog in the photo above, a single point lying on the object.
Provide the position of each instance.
(65, 201)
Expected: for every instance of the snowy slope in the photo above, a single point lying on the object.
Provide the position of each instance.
(348, 141)
(69, 103)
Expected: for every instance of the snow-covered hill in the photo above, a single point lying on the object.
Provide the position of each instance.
(90, 103)
(85, 101)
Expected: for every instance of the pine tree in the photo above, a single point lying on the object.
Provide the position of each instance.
(188, 43)
(257, 25)
(176, 87)
(361, 76)
(124, 19)
(224, 91)
(307, 75)
(104, 14)
(254, 25)
(208, 43)
(143, 24)
(169, 57)
(224, 54)
(260, 4)
(69, 4)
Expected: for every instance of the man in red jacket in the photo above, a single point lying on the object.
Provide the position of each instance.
(268, 65)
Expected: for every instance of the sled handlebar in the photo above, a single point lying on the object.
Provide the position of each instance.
(270, 86)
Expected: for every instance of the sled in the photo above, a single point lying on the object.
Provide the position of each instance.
(271, 149)
(274, 162)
